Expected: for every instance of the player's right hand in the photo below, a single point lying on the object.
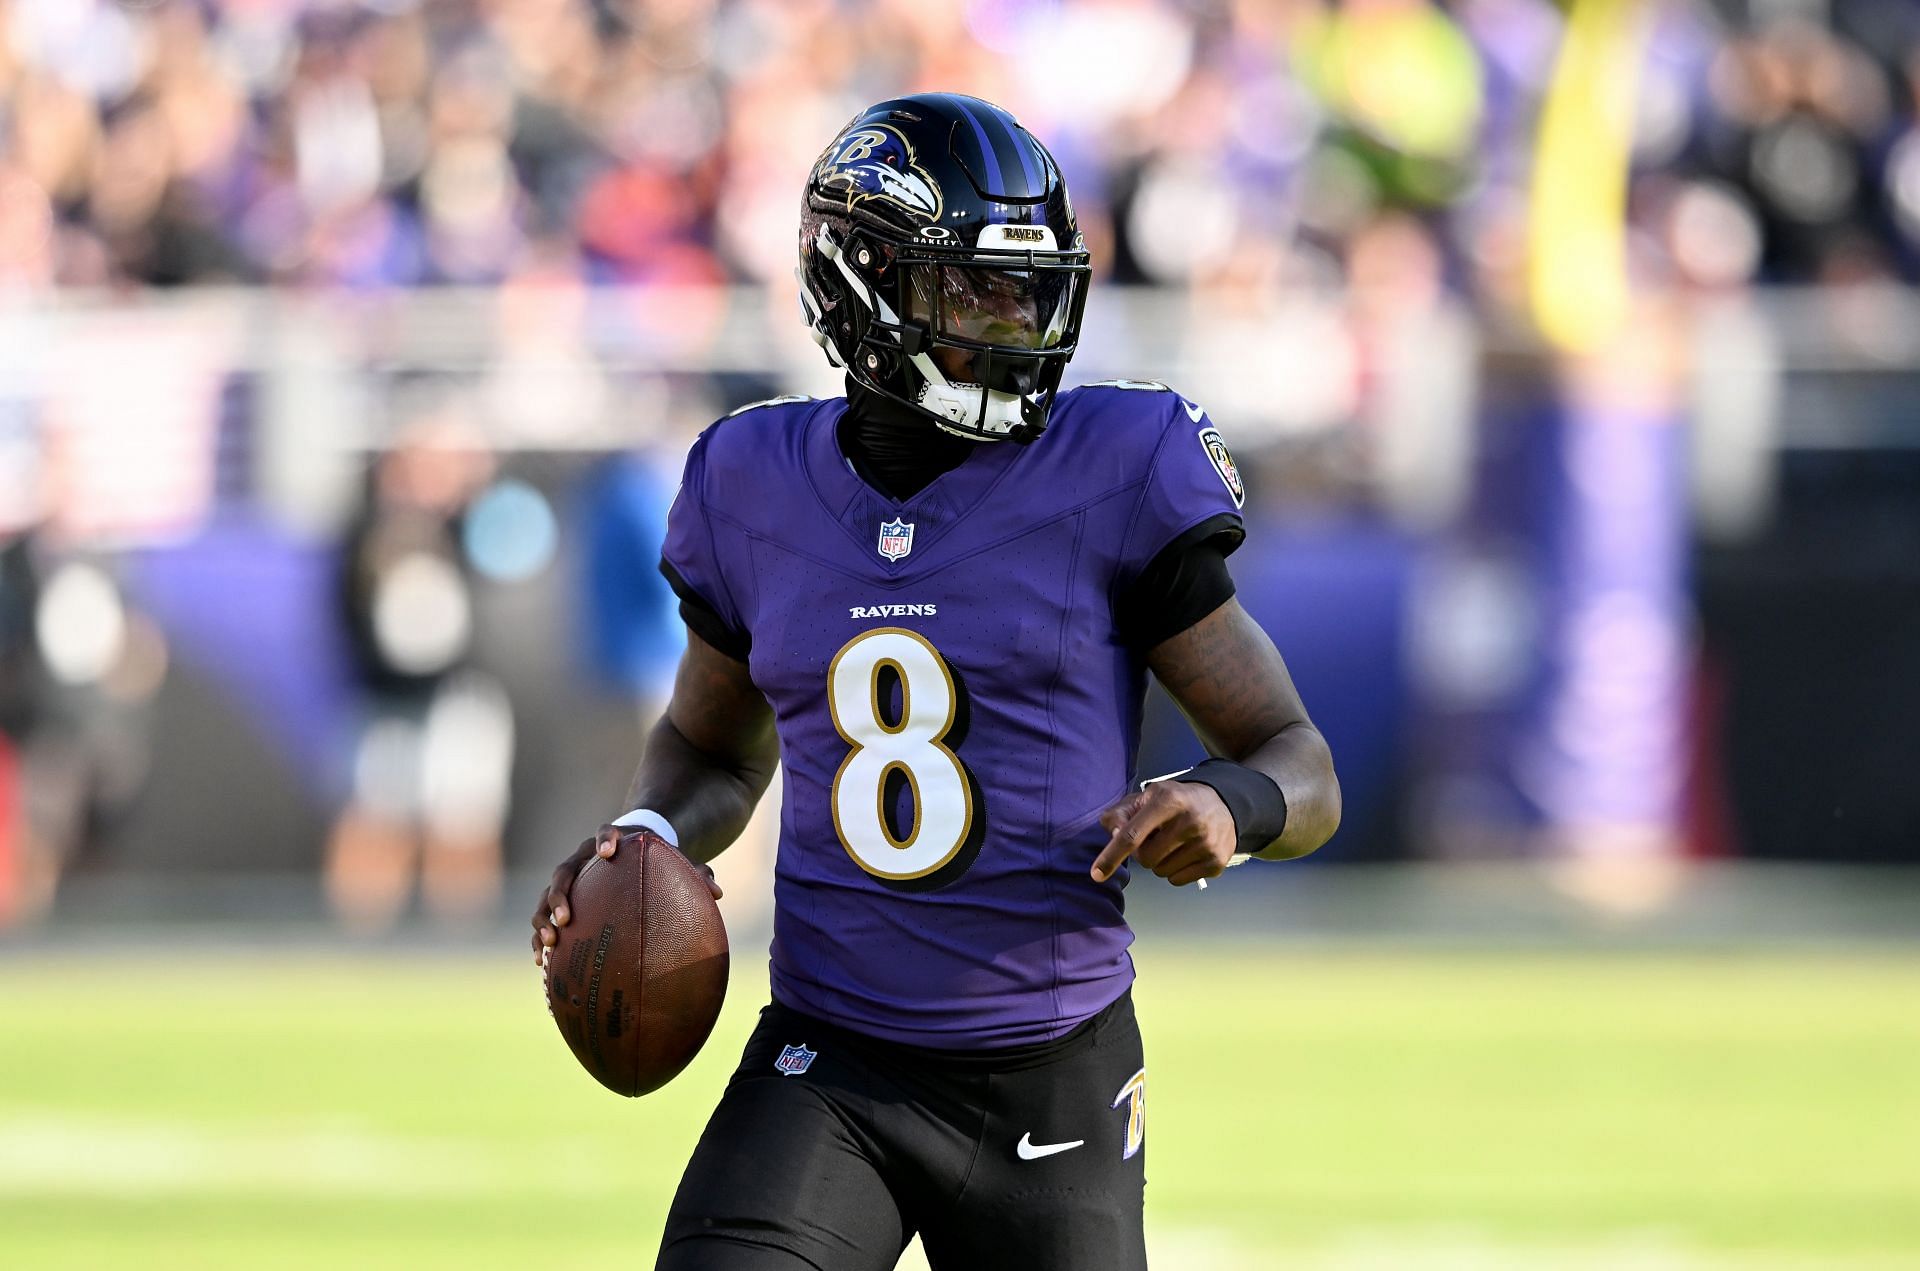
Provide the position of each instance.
(554, 910)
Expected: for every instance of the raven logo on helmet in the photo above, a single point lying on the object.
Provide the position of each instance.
(876, 162)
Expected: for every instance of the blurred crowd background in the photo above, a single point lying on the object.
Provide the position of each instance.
(348, 350)
(370, 144)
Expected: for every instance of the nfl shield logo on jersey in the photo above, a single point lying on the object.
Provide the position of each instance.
(795, 1060)
(896, 538)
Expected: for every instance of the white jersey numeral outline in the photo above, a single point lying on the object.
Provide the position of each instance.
(943, 808)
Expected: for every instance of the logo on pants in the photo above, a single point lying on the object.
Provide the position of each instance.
(795, 1060)
(1134, 1095)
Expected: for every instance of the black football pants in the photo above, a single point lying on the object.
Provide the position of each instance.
(1007, 1159)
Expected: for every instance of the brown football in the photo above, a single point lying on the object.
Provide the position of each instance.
(638, 976)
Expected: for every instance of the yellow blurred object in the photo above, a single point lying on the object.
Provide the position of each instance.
(1401, 72)
(1577, 275)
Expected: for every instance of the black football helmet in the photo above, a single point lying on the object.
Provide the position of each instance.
(941, 265)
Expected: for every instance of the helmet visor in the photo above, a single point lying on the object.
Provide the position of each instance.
(993, 308)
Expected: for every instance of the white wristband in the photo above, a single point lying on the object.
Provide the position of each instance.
(648, 819)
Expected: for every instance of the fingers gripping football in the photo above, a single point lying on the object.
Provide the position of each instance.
(555, 910)
(1181, 830)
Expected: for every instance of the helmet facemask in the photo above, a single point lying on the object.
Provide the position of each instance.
(976, 339)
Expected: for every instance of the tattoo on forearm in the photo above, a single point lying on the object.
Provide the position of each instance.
(1226, 675)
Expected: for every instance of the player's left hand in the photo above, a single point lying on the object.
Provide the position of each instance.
(1181, 830)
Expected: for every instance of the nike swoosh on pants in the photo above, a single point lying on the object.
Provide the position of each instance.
(1028, 1150)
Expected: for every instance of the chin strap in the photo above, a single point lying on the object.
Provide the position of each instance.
(999, 415)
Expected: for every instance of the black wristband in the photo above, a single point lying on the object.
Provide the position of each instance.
(1259, 808)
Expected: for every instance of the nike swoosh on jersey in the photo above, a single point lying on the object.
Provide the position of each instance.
(1028, 1150)
(1195, 413)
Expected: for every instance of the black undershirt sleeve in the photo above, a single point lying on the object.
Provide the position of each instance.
(1184, 582)
(703, 621)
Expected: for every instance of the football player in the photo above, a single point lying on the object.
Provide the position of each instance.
(934, 603)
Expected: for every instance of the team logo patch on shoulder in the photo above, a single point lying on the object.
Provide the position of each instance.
(896, 538)
(876, 162)
(1222, 460)
(795, 1060)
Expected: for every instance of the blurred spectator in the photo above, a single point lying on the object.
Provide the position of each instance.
(79, 667)
(432, 761)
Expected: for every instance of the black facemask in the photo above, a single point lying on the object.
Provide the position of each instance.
(894, 448)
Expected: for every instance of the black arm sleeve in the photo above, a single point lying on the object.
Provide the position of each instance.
(703, 621)
(1184, 582)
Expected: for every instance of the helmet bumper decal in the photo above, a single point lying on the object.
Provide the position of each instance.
(1037, 238)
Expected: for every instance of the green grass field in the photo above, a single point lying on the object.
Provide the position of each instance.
(1306, 1109)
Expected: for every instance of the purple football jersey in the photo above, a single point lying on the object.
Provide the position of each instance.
(954, 703)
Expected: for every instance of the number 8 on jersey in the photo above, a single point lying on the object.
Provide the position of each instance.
(912, 746)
